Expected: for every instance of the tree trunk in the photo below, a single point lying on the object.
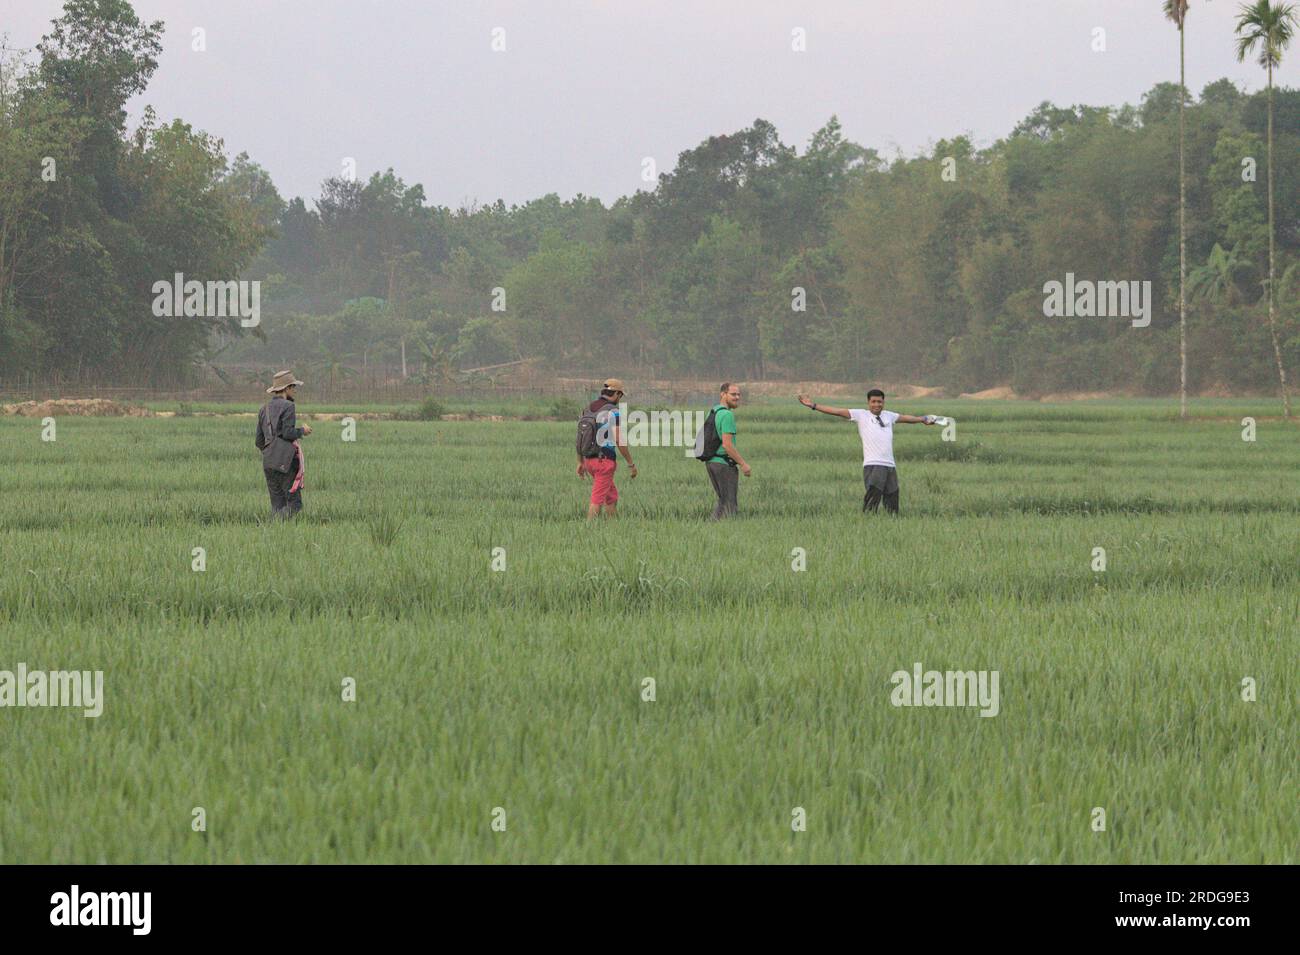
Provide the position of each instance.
(403, 359)
(1272, 298)
(1182, 229)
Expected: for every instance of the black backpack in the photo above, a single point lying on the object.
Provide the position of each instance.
(708, 441)
(589, 426)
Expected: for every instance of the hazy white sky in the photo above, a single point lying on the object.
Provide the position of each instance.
(586, 88)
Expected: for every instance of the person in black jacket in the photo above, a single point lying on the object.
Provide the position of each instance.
(277, 439)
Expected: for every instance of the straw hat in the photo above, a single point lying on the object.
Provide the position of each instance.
(283, 379)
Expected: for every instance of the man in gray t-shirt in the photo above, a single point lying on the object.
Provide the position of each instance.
(277, 438)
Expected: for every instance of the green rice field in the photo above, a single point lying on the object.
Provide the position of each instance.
(501, 644)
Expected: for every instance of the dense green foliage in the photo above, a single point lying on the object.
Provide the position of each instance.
(906, 273)
(522, 688)
(91, 215)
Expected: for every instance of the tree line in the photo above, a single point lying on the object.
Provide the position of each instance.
(749, 258)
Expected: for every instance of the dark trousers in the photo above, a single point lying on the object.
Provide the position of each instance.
(882, 484)
(725, 480)
(283, 502)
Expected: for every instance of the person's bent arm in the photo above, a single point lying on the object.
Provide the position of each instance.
(289, 429)
(729, 445)
(622, 449)
(824, 409)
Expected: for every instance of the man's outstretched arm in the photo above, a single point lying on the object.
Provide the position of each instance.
(913, 419)
(824, 409)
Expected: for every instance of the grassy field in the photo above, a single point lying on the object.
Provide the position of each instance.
(522, 689)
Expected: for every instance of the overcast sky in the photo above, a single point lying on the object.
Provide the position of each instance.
(586, 88)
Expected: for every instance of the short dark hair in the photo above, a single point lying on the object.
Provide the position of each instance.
(874, 392)
(726, 386)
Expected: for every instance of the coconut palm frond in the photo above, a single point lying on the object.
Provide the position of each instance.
(1215, 280)
(1270, 27)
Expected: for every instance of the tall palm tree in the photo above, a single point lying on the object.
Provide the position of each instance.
(1270, 27)
(1176, 10)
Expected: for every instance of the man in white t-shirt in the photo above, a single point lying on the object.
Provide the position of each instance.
(876, 428)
